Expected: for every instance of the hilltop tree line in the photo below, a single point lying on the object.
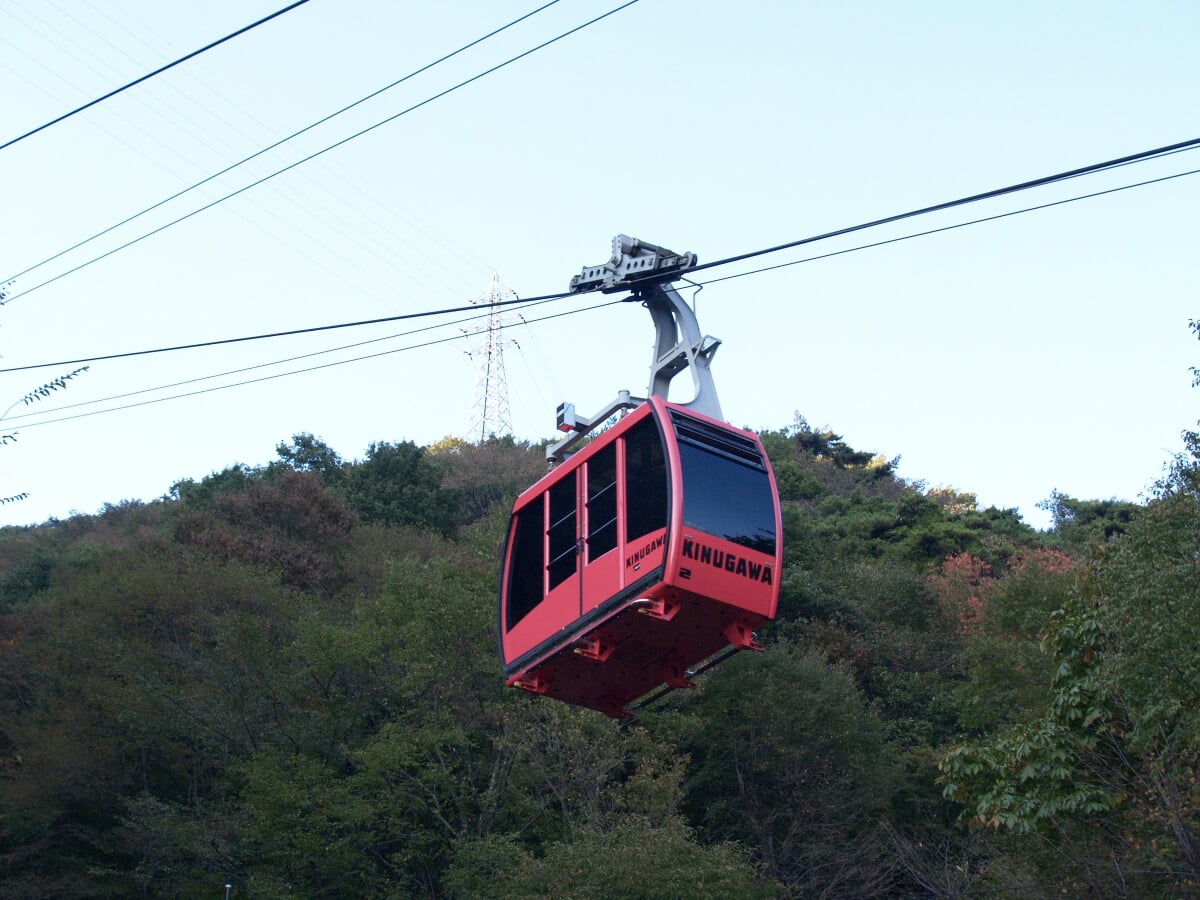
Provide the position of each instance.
(285, 678)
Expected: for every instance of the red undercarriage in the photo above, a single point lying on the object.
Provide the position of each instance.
(653, 640)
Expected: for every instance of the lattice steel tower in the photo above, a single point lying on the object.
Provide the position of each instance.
(490, 413)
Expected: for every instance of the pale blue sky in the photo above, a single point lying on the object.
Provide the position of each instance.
(1048, 350)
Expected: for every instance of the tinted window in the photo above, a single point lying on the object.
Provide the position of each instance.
(602, 502)
(561, 533)
(726, 489)
(528, 562)
(645, 481)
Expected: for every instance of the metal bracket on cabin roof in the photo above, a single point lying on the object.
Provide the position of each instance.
(647, 270)
(633, 263)
(578, 427)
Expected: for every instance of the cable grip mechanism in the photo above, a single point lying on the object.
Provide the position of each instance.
(646, 270)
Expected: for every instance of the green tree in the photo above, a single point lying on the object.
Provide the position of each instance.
(286, 520)
(791, 762)
(307, 453)
(397, 484)
(477, 477)
(145, 673)
(1079, 523)
(634, 859)
(1117, 748)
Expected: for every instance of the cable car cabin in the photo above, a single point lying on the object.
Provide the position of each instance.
(648, 551)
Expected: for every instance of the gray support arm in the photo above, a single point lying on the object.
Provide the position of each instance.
(647, 270)
(679, 345)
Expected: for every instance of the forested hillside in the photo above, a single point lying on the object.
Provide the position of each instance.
(285, 679)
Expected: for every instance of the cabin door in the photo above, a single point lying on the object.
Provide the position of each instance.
(598, 529)
(564, 587)
(583, 563)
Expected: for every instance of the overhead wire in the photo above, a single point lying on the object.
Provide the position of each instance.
(531, 301)
(330, 365)
(202, 136)
(1143, 156)
(277, 334)
(278, 143)
(156, 72)
(956, 225)
(311, 156)
(314, 200)
(534, 300)
(551, 297)
(481, 314)
(138, 147)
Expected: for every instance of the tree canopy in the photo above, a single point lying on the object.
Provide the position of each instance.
(284, 678)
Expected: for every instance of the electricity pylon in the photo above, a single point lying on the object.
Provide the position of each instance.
(490, 414)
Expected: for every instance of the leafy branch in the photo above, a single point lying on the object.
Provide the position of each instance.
(43, 391)
(38, 393)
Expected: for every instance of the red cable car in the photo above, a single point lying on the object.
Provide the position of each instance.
(655, 546)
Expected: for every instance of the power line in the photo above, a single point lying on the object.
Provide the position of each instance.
(277, 362)
(333, 146)
(552, 297)
(309, 200)
(343, 362)
(530, 301)
(277, 334)
(962, 201)
(908, 237)
(1140, 157)
(157, 71)
(279, 143)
